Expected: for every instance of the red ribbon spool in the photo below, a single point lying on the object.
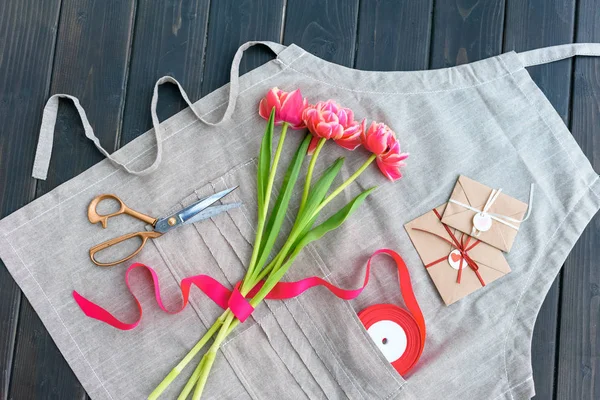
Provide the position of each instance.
(410, 341)
(399, 333)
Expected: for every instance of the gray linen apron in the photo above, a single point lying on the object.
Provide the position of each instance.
(487, 120)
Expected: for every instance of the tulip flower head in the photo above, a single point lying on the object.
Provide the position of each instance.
(328, 120)
(288, 107)
(377, 138)
(381, 141)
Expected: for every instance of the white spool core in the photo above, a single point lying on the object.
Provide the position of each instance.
(394, 337)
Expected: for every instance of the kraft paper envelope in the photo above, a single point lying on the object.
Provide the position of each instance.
(475, 194)
(427, 234)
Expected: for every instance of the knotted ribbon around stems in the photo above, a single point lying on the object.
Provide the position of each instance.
(461, 245)
(503, 219)
(233, 299)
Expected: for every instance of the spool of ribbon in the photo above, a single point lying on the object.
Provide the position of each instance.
(461, 246)
(482, 221)
(410, 321)
(398, 333)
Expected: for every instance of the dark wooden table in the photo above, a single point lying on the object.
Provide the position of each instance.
(109, 54)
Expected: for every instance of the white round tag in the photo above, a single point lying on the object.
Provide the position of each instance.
(482, 222)
(454, 259)
(390, 338)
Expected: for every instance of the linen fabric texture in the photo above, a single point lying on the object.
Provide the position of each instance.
(487, 120)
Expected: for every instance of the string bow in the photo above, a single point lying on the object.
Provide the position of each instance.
(463, 246)
(503, 219)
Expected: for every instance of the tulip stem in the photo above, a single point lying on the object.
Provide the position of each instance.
(344, 185)
(191, 383)
(261, 274)
(211, 354)
(262, 218)
(309, 174)
(280, 260)
(184, 362)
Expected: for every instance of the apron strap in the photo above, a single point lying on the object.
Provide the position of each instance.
(46, 138)
(554, 53)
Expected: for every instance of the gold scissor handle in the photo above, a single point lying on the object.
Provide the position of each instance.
(99, 247)
(94, 217)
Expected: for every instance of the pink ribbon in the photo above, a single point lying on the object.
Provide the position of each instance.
(223, 297)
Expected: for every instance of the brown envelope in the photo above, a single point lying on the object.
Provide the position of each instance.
(490, 261)
(475, 194)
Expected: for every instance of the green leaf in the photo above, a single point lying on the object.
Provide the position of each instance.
(316, 196)
(264, 162)
(317, 232)
(281, 204)
(321, 187)
(307, 227)
(334, 221)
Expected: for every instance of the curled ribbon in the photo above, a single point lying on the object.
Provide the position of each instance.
(233, 299)
(503, 219)
(461, 245)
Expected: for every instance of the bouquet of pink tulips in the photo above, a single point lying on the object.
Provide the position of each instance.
(324, 120)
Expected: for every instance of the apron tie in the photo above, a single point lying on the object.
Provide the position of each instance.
(46, 138)
(550, 54)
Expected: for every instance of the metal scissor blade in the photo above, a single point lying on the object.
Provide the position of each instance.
(211, 212)
(181, 217)
(191, 210)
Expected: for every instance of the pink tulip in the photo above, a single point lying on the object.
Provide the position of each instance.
(376, 139)
(328, 120)
(288, 107)
(390, 161)
(381, 141)
(351, 138)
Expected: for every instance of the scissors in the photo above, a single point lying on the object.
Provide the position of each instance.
(198, 211)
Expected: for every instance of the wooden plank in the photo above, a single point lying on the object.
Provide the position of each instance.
(531, 25)
(465, 31)
(169, 39)
(92, 54)
(545, 342)
(579, 344)
(234, 24)
(381, 46)
(88, 33)
(27, 37)
(325, 28)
